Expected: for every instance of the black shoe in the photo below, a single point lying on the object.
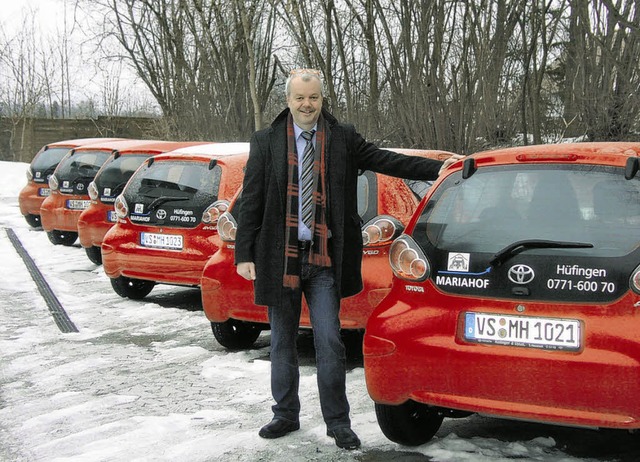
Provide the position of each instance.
(345, 438)
(277, 428)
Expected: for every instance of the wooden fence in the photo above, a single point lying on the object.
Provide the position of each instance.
(21, 139)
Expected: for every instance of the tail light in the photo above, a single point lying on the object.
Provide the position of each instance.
(121, 207)
(93, 191)
(381, 230)
(53, 183)
(407, 259)
(213, 212)
(634, 281)
(29, 175)
(227, 227)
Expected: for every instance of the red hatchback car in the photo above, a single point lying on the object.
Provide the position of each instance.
(385, 204)
(69, 188)
(95, 220)
(167, 216)
(41, 168)
(516, 294)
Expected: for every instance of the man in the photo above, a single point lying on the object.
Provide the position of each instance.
(299, 233)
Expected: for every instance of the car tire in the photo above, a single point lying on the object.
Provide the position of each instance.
(33, 220)
(94, 253)
(410, 423)
(236, 335)
(135, 289)
(67, 238)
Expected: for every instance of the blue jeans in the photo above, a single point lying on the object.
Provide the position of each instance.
(319, 288)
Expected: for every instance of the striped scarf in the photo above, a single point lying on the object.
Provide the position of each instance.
(319, 252)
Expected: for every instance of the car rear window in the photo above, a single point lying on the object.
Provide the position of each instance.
(47, 161)
(115, 174)
(82, 165)
(179, 188)
(498, 206)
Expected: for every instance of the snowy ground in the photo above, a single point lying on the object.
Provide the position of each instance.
(146, 381)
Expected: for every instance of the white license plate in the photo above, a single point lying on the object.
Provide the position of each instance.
(112, 217)
(161, 241)
(44, 192)
(523, 331)
(75, 204)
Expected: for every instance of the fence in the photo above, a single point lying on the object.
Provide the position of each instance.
(21, 139)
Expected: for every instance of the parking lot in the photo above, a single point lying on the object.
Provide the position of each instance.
(145, 380)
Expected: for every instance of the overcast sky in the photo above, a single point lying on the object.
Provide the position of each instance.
(89, 70)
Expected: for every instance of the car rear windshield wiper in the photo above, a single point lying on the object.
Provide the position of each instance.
(520, 246)
(80, 179)
(163, 199)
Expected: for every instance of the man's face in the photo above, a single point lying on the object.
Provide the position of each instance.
(305, 101)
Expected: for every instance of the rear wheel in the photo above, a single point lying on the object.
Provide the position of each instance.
(95, 254)
(236, 335)
(33, 220)
(135, 289)
(67, 238)
(410, 423)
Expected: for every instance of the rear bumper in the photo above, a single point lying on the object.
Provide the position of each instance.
(418, 354)
(29, 199)
(122, 255)
(55, 216)
(93, 225)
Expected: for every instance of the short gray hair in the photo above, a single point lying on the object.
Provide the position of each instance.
(306, 75)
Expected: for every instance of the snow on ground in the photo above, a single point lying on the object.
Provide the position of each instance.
(146, 381)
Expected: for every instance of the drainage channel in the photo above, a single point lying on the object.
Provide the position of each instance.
(55, 308)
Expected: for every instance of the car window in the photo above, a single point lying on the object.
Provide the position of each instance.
(496, 207)
(48, 159)
(116, 173)
(81, 165)
(183, 182)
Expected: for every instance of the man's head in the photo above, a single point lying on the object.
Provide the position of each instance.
(304, 97)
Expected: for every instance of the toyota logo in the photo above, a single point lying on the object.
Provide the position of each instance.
(161, 214)
(521, 274)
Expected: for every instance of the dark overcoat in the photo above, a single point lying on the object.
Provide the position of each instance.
(260, 237)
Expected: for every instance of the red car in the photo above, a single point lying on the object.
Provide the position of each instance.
(385, 204)
(515, 294)
(69, 185)
(95, 220)
(42, 166)
(167, 216)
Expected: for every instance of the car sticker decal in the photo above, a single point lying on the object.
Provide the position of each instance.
(587, 284)
(458, 261)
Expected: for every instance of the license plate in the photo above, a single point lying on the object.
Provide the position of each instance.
(161, 241)
(44, 192)
(75, 204)
(523, 331)
(111, 216)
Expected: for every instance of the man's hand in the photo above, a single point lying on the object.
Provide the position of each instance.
(247, 270)
(445, 165)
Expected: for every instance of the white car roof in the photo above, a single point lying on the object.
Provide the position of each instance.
(217, 149)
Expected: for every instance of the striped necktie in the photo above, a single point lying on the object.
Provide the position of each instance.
(306, 179)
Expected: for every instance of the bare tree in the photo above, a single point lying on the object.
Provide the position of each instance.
(540, 26)
(602, 77)
(24, 88)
